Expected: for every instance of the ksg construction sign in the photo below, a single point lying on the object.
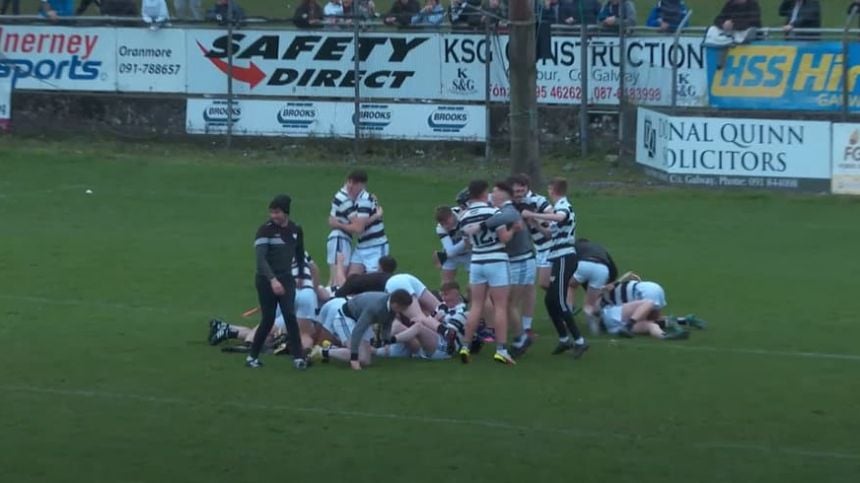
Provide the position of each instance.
(317, 64)
(58, 58)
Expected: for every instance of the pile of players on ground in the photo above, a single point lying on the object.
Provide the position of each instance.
(508, 238)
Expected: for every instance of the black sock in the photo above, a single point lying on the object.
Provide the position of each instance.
(441, 330)
(571, 326)
(392, 340)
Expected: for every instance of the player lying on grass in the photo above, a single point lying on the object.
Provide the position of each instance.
(368, 282)
(640, 317)
(630, 288)
(352, 321)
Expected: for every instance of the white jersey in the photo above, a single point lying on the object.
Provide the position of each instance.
(565, 232)
(304, 279)
(342, 208)
(486, 245)
(374, 233)
(452, 241)
(407, 282)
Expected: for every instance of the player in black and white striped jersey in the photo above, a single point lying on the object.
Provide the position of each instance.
(540, 231)
(372, 242)
(564, 262)
(489, 270)
(455, 251)
(344, 226)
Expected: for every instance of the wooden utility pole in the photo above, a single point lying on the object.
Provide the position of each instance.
(525, 154)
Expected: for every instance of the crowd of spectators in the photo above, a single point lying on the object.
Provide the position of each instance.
(736, 22)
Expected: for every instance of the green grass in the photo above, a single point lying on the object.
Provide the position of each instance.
(833, 13)
(105, 375)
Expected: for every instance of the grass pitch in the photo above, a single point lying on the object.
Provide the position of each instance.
(105, 374)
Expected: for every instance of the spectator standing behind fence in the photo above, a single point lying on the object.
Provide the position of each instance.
(737, 23)
(16, 7)
(333, 11)
(308, 14)
(188, 9)
(617, 13)
(667, 15)
(401, 12)
(493, 13)
(465, 13)
(581, 12)
(218, 12)
(800, 14)
(154, 13)
(54, 9)
(431, 15)
(85, 4)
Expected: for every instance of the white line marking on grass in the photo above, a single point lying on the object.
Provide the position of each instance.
(46, 191)
(484, 423)
(757, 352)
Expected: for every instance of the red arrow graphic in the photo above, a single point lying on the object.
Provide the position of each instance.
(251, 75)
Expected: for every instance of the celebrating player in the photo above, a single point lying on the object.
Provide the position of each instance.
(372, 243)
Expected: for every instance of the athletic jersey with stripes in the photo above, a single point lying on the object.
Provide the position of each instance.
(304, 279)
(538, 204)
(486, 246)
(342, 207)
(452, 237)
(456, 317)
(565, 233)
(622, 293)
(374, 233)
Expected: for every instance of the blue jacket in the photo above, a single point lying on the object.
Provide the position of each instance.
(670, 11)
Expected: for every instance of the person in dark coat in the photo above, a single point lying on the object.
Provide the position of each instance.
(800, 14)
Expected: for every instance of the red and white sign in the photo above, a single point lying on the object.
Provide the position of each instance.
(314, 63)
(58, 58)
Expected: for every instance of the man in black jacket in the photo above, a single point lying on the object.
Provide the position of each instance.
(279, 241)
(800, 14)
(401, 13)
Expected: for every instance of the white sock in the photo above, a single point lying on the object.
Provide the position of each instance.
(520, 341)
(579, 341)
(565, 339)
(527, 323)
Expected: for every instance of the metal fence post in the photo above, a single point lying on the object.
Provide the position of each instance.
(356, 69)
(673, 57)
(846, 98)
(229, 74)
(488, 57)
(622, 70)
(583, 82)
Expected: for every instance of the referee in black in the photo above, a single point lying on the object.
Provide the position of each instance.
(277, 243)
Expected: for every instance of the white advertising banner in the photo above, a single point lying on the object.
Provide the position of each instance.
(729, 152)
(5, 103)
(336, 119)
(315, 63)
(846, 159)
(58, 58)
(150, 60)
(647, 77)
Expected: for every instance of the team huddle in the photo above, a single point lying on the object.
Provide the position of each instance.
(509, 239)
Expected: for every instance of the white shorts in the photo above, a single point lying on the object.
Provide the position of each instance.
(523, 272)
(369, 257)
(397, 351)
(653, 292)
(306, 304)
(596, 275)
(342, 327)
(611, 315)
(404, 281)
(494, 274)
(542, 259)
(452, 263)
(338, 243)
